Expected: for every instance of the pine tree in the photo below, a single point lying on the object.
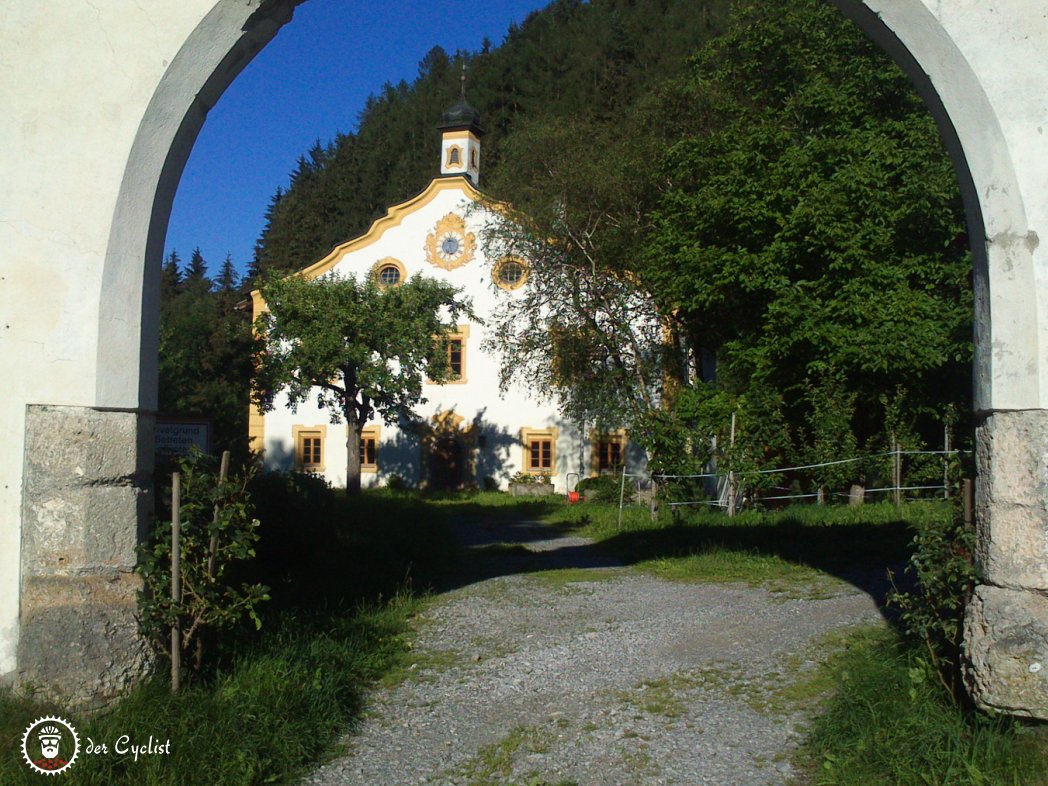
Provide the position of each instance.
(227, 281)
(195, 278)
(170, 277)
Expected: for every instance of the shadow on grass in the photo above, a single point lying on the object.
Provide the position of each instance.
(857, 546)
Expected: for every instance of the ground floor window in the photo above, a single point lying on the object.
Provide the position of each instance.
(609, 451)
(540, 451)
(309, 448)
(369, 449)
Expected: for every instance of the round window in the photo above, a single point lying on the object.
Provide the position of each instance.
(389, 275)
(510, 273)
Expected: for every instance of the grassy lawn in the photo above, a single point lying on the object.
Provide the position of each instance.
(272, 710)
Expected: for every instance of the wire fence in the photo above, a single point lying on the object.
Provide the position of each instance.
(733, 491)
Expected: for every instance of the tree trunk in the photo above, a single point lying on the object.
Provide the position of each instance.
(352, 456)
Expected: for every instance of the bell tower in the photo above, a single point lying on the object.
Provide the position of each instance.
(460, 138)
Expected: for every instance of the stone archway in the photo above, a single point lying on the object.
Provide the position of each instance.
(95, 147)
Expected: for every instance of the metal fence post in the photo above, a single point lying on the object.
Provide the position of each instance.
(622, 491)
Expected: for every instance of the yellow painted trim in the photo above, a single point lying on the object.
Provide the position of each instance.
(256, 421)
(394, 217)
(496, 270)
(386, 262)
(256, 429)
(462, 134)
(526, 435)
(374, 432)
(596, 437)
(460, 163)
(299, 432)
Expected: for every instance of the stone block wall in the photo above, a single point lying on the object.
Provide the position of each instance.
(86, 493)
(1006, 625)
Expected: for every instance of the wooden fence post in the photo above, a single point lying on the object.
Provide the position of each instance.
(176, 580)
(896, 470)
(622, 492)
(946, 462)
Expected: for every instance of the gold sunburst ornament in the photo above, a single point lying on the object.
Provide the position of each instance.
(449, 245)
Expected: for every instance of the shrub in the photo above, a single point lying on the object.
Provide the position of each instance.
(605, 488)
(932, 614)
(218, 530)
(524, 477)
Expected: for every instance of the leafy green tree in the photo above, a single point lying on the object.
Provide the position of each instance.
(576, 219)
(357, 348)
(810, 226)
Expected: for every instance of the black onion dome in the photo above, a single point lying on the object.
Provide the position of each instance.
(461, 115)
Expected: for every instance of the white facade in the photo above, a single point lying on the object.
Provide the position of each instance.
(467, 432)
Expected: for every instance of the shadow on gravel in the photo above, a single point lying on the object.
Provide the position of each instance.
(859, 554)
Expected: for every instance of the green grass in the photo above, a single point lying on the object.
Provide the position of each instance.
(888, 723)
(493, 764)
(806, 551)
(274, 710)
(274, 703)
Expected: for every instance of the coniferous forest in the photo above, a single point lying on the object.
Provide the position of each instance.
(766, 177)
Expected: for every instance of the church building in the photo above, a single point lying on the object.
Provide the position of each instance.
(465, 433)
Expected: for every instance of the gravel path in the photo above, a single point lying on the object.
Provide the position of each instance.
(595, 674)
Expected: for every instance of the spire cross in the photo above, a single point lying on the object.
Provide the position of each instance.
(463, 78)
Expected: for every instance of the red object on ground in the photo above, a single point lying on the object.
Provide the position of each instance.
(573, 497)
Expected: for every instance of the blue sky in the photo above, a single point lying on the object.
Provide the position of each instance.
(310, 83)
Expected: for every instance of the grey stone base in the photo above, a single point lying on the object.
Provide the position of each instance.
(1011, 499)
(86, 500)
(1006, 647)
(531, 489)
(1006, 623)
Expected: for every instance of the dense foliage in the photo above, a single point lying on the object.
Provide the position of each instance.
(810, 233)
(785, 210)
(205, 349)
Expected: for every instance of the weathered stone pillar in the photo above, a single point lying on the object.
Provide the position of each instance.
(86, 496)
(1006, 625)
